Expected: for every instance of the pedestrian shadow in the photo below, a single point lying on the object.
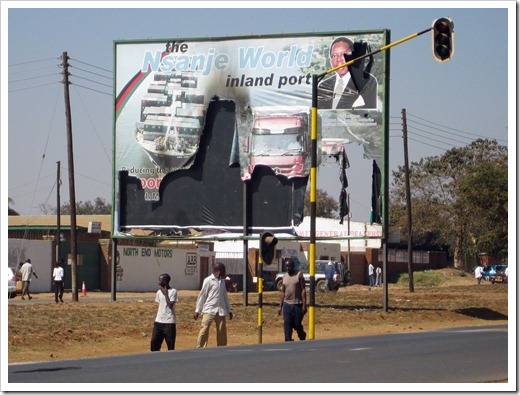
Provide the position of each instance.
(482, 313)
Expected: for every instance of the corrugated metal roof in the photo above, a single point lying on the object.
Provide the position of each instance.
(42, 222)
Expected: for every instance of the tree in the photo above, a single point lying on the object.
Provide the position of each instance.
(11, 211)
(326, 206)
(458, 199)
(99, 206)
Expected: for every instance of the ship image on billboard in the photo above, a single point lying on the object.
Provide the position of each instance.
(198, 120)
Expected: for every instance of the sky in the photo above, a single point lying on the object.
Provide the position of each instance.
(447, 104)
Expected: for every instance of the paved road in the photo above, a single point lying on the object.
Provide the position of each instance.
(443, 356)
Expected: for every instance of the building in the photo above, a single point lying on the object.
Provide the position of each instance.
(355, 244)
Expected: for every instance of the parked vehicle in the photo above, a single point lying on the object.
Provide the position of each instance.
(12, 279)
(490, 270)
(500, 276)
(319, 276)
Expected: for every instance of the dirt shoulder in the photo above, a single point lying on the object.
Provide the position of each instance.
(94, 326)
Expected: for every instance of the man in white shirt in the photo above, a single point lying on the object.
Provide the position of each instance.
(27, 273)
(478, 274)
(371, 277)
(214, 305)
(165, 324)
(58, 276)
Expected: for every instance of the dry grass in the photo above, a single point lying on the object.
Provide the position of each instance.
(76, 330)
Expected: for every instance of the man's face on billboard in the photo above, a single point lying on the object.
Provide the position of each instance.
(337, 56)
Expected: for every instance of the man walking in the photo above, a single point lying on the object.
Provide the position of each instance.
(478, 274)
(214, 305)
(27, 273)
(293, 301)
(58, 276)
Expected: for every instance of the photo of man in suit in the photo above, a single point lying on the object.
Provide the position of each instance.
(348, 87)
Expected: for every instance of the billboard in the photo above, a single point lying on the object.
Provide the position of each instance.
(211, 134)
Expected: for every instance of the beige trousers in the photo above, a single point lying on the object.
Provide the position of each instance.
(220, 323)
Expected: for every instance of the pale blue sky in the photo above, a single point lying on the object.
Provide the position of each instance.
(466, 97)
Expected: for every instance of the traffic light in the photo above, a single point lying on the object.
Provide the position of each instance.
(443, 39)
(267, 247)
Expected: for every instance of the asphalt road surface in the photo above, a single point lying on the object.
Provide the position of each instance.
(443, 356)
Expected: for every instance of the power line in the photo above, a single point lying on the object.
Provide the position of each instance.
(450, 128)
(95, 82)
(32, 61)
(93, 126)
(91, 89)
(31, 70)
(429, 145)
(91, 72)
(33, 78)
(436, 135)
(91, 65)
(32, 87)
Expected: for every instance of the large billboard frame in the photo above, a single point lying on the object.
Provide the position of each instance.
(122, 96)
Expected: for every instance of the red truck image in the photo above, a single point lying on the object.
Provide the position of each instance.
(280, 141)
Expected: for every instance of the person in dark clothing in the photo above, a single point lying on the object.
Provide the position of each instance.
(293, 301)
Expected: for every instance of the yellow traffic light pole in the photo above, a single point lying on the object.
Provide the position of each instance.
(313, 174)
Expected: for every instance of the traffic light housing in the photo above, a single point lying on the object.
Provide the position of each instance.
(443, 39)
(267, 247)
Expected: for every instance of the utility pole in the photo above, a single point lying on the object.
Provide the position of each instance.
(72, 193)
(408, 202)
(58, 214)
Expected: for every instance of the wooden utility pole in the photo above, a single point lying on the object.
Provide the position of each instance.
(72, 193)
(408, 202)
(57, 238)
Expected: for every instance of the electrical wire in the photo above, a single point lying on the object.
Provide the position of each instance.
(91, 89)
(86, 79)
(31, 61)
(94, 127)
(91, 65)
(91, 72)
(450, 128)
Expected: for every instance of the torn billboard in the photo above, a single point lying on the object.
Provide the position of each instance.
(251, 97)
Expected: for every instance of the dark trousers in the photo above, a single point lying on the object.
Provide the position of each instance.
(292, 319)
(166, 332)
(58, 290)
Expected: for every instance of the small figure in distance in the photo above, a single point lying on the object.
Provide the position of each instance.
(478, 274)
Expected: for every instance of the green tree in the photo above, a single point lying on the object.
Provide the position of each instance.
(458, 199)
(326, 206)
(11, 211)
(99, 206)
